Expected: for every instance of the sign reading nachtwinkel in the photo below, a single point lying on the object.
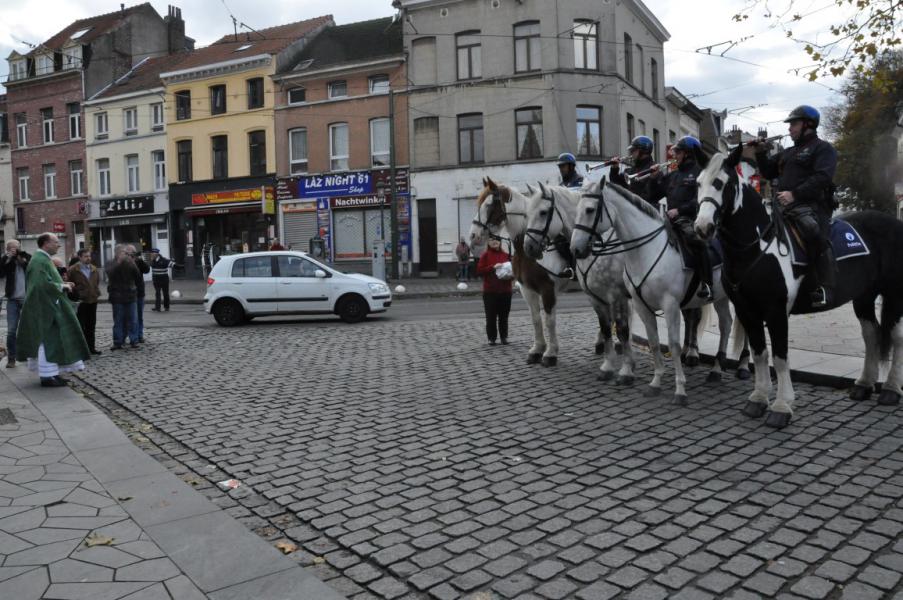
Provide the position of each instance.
(116, 207)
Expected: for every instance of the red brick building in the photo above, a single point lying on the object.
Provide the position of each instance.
(45, 91)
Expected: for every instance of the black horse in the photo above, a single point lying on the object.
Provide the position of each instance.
(760, 279)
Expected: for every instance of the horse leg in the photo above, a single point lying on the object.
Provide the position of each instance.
(692, 317)
(723, 309)
(757, 403)
(890, 319)
(865, 311)
(607, 368)
(534, 354)
(658, 361)
(781, 411)
(743, 363)
(550, 356)
(628, 362)
(672, 320)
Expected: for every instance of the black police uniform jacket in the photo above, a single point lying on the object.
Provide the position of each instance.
(806, 169)
(680, 187)
(642, 188)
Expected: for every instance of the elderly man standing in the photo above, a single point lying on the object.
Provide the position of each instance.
(86, 278)
(49, 335)
(122, 275)
(12, 267)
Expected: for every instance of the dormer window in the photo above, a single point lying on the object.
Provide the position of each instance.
(17, 70)
(80, 33)
(243, 47)
(45, 64)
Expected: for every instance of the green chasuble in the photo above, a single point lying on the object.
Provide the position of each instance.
(48, 317)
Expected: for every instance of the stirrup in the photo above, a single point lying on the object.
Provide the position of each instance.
(705, 291)
(819, 297)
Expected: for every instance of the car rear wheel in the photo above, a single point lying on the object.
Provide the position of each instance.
(228, 312)
(352, 309)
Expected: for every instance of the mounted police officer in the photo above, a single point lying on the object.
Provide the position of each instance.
(640, 150)
(806, 191)
(680, 188)
(567, 166)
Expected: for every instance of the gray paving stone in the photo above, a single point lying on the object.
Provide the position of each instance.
(835, 571)
(765, 584)
(599, 591)
(880, 578)
(95, 591)
(861, 591)
(29, 585)
(812, 587)
(293, 582)
(514, 585)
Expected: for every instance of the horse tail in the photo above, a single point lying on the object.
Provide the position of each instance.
(704, 317)
(739, 333)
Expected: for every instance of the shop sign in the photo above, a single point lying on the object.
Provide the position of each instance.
(356, 201)
(383, 176)
(116, 207)
(355, 183)
(286, 188)
(249, 195)
(59, 227)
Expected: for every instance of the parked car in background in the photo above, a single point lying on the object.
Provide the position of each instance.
(243, 286)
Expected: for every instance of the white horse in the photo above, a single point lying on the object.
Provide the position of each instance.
(654, 273)
(550, 219)
(541, 282)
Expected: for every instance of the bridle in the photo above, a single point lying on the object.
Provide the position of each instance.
(541, 236)
(497, 204)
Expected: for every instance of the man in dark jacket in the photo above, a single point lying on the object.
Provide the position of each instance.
(122, 275)
(143, 268)
(12, 267)
(567, 167)
(160, 276)
(680, 188)
(86, 278)
(805, 174)
(640, 149)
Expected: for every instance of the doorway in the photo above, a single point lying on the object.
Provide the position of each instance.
(427, 244)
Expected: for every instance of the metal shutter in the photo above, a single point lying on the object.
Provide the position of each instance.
(298, 228)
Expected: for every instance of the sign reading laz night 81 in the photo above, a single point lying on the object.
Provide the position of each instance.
(115, 207)
(340, 184)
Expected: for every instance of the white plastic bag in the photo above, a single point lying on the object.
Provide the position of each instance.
(504, 271)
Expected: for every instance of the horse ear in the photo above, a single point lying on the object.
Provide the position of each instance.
(484, 183)
(491, 184)
(543, 188)
(530, 189)
(733, 159)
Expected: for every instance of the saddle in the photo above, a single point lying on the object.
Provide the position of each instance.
(688, 258)
(845, 241)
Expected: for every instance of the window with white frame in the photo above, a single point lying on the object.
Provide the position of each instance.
(379, 84)
(130, 120)
(159, 169)
(586, 43)
(297, 95)
(101, 126)
(297, 150)
(47, 124)
(72, 57)
(379, 142)
(44, 65)
(49, 181)
(21, 130)
(75, 120)
(131, 172)
(338, 89)
(157, 116)
(103, 177)
(76, 178)
(18, 70)
(338, 147)
(527, 50)
(22, 175)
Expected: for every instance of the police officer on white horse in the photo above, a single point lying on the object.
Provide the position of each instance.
(567, 166)
(805, 174)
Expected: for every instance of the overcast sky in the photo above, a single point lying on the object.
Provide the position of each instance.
(721, 83)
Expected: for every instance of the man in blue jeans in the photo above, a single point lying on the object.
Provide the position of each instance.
(12, 267)
(122, 275)
(143, 268)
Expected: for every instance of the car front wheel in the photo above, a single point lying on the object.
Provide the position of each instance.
(228, 313)
(352, 309)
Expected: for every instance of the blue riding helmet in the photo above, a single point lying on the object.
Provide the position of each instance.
(688, 144)
(566, 158)
(804, 112)
(641, 142)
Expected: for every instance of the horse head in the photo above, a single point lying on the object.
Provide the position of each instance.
(717, 191)
(591, 220)
(490, 213)
(542, 224)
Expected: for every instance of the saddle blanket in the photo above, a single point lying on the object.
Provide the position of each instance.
(689, 260)
(845, 240)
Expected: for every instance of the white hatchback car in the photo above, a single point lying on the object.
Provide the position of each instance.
(243, 286)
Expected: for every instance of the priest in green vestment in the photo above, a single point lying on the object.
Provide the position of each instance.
(49, 335)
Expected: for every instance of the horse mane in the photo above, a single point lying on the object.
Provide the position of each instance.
(487, 193)
(638, 202)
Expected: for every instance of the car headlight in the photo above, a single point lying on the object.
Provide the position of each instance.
(379, 288)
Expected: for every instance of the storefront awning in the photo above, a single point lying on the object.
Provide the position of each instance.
(123, 221)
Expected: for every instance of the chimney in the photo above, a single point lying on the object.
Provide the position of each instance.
(175, 29)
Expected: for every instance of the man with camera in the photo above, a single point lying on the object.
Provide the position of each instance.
(12, 266)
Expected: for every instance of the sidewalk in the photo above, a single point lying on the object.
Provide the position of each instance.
(85, 514)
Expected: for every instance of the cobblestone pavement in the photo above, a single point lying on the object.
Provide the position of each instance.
(61, 534)
(410, 460)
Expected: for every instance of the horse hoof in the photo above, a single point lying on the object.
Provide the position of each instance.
(619, 349)
(754, 410)
(605, 376)
(652, 392)
(713, 377)
(888, 398)
(549, 361)
(600, 348)
(680, 400)
(625, 380)
(861, 392)
(778, 420)
(692, 361)
(532, 359)
(743, 374)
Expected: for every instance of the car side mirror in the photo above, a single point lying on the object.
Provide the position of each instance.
(320, 274)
